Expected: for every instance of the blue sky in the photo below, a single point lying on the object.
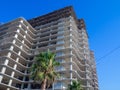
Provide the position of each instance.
(102, 19)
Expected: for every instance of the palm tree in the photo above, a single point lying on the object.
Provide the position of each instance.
(75, 86)
(43, 69)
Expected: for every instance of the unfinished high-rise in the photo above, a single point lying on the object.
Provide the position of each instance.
(60, 32)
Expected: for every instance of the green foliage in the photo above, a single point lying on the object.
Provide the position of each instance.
(75, 86)
(43, 68)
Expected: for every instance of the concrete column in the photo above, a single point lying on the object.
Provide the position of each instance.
(13, 73)
(13, 41)
(23, 83)
(24, 78)
(10, 81)
(21, 21)
(53, 86)
(21, 47)
(24, 36)
(9, 54)
(1, 77)
(11, 48)
(3, 69)
(23, 41)
(18, 30)
(27, 27)
(19, 52)
(17, 59)
(8, 89)
(26, 31)
(6, 62)
(29, 86)
(15, 66)
(16, 35)
(20, 25)
(71, 68)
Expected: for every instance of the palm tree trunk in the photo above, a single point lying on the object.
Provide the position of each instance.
(44, 84)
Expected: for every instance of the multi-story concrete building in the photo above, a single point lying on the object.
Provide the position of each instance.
(16, 39)
(60, 32)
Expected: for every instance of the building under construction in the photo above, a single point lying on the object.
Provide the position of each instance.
(59, 31)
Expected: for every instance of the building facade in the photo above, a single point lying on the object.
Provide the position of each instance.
(60, 32)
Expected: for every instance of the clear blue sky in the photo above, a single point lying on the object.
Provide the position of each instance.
(102, 19)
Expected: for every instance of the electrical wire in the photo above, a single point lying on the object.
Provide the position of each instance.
(104, 56)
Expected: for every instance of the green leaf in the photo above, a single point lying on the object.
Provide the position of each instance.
(43, 67)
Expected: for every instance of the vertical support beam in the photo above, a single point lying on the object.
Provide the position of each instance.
(19, 53)
(24, 78)
(3, 69)
(23, 41)
(8, 89)
(11, 48)
(17, 59)
(71, 68)
(29, 86)
(16, 35)
(13, 73)
(22, 83)
(10, 82)
(53, 86)
(1, 77)
(13, 41)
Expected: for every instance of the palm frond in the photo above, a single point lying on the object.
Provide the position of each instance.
(43, 67)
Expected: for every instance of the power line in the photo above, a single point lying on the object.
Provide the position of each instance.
(101, 58)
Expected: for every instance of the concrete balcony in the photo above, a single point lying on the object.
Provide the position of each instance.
(6, 40)
(23, 32)
(28, 27)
